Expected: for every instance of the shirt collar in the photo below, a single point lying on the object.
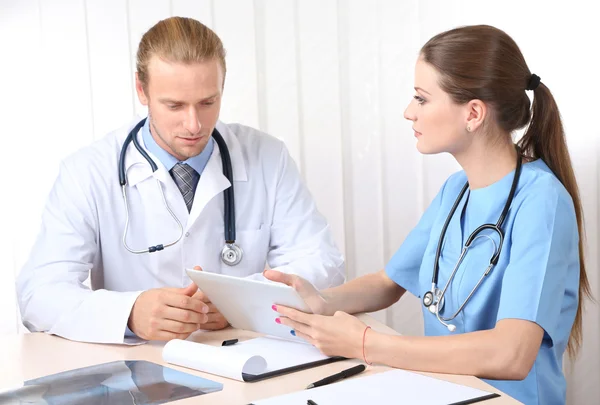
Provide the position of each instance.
(137, 168)
(197, 162)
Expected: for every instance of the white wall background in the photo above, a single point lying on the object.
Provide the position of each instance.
(331, 78)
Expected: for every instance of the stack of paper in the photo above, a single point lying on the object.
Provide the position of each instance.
(391, 387)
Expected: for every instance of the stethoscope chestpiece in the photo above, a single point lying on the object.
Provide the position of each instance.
(433, 300)
(428, 299)
(231, 254)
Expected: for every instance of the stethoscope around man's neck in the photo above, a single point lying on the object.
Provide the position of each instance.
(231, 253)
(434, 298)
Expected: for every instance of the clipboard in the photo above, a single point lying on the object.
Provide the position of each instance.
(276, 373)
(248, 361)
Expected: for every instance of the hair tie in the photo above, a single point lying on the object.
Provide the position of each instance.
(534, 82)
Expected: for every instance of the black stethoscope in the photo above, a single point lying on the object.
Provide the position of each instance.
(434, 298)
(231, 254)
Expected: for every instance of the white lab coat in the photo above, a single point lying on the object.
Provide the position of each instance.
(82, 228)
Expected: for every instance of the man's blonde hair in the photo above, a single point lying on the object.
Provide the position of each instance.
(179, 39)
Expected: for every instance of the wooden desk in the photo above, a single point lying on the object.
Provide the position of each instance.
(34, 355)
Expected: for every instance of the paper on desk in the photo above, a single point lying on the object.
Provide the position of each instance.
(254, 356)
(387, 388)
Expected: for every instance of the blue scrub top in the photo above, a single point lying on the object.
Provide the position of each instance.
(536, 278)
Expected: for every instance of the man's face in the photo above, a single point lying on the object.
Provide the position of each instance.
(184, 101)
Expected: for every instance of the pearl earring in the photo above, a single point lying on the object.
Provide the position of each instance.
(469, 128)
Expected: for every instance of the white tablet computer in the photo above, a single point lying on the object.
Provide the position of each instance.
(246, 303)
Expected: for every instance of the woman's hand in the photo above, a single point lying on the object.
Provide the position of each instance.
(337, 335)
(310, 295)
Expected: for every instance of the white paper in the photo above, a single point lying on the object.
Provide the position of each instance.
(278, 353)
(255, 356)
(212, 359)
(387, 388)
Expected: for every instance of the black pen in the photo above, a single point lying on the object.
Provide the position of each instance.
(311, 402)
(229, 342)
(339, 376)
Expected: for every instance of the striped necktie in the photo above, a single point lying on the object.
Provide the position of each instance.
(186, 179)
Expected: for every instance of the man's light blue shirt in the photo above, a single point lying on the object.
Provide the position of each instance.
(197, 162)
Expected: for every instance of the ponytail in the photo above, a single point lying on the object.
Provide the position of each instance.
(545, 139)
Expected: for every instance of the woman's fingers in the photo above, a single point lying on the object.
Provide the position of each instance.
(279, 277)
(305, 337)
(294, 314)
(297, 326)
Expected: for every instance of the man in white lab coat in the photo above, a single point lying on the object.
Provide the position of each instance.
(180, 77)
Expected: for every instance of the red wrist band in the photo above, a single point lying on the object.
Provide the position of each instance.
(363, 345)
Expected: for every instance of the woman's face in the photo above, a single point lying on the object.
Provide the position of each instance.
(439, 123)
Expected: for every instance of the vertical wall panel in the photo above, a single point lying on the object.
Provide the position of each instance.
(361, 126)
(141, 16)
(401, 171)
(320, 105)
(111, 71)
(277, 24)
(61, 119)
(201, 10)
(236, 29)
(20, 84)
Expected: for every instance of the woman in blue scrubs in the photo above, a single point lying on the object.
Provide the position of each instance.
(470, 97)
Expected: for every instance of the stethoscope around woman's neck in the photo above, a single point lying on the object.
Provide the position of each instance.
(434, 298)
(231, 253)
